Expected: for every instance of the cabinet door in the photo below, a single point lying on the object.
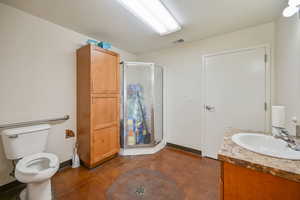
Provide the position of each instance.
(241, 183)
(105, 72)
(105, 143)
(105, 126)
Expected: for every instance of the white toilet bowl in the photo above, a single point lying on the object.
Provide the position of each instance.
(36, 170)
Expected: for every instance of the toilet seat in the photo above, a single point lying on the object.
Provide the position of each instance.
(29, 164)
(36, 167)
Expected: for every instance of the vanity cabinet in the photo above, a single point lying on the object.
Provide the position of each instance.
(98, 104)
(241, 183)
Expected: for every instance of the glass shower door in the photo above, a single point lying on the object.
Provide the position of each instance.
(139, 106)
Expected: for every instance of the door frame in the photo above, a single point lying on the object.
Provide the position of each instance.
(268, 87)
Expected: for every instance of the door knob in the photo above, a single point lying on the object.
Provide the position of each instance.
(209, 108)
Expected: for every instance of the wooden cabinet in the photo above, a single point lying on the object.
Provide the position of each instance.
(98, 104)
(240, 183)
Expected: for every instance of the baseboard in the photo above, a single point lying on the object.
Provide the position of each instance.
(65, 164)
(183, 148)
(11, 186)
(15, 184)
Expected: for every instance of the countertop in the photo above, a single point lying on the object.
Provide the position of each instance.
(235, 154)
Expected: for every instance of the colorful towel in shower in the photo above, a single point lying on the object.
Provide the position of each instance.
(137, 112)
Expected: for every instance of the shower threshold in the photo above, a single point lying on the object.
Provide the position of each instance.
(142, 150)
(153, 144)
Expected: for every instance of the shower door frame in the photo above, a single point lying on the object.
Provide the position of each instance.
(124, 106)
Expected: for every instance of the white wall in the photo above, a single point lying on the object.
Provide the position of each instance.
(287, 67)
(37, 77)
(183, 68)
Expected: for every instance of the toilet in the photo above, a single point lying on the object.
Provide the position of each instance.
(26, 145)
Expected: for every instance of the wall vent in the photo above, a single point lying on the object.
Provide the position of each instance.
(178, 41)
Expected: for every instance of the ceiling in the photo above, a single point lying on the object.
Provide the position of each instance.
(108, 20)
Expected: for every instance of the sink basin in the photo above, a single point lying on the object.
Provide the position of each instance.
(265, 144)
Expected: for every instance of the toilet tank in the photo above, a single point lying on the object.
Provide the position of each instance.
(24, 141)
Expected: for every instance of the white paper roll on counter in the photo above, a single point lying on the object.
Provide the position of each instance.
(278, 116)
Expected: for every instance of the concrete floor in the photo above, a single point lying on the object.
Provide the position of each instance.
(168, 174)
(195, 177)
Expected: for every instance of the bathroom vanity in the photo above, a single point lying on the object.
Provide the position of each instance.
(249, 175)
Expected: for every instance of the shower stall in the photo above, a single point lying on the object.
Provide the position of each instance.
(142, 108)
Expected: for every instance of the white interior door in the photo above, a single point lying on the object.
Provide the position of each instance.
(235, 95)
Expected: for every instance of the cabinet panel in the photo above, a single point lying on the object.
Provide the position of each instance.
(105, 111)
(83, 103)
(105, 69)
(241, 183)
(105, 143)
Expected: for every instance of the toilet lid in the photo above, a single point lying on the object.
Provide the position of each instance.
(25, 164)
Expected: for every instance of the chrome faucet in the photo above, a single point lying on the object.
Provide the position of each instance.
(283, 134)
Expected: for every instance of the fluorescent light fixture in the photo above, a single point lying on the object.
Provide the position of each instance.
(290, 11)
(153, 13)
(292, 8)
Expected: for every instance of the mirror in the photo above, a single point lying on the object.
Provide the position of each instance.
(286, 73)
